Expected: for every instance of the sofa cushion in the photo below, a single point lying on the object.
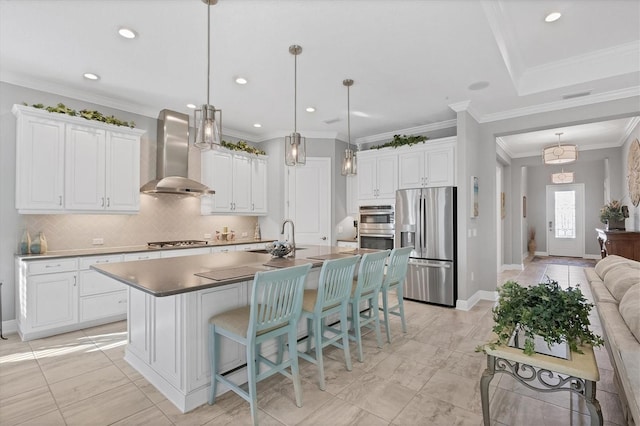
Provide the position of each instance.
(600, 293)
(630, 310)
(620, 279)
(605, 265)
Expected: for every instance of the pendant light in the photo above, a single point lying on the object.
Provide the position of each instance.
(560, 154)
(349, 160)
(208, 130)
(562, 177)
(295, 149)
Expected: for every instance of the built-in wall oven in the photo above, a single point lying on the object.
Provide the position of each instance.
(377, 227)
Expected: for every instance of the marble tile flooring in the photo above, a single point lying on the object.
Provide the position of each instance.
(428, 376)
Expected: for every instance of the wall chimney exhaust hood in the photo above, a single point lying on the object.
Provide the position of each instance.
(173, 158)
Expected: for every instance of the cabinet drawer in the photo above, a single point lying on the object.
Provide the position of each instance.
(223, 249)
(141, 256)
(92, 282)
(185, 252)
(86, 262)
(103, 306)
(51, 266)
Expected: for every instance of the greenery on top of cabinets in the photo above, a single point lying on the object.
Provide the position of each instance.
(401, 141)
(87, 114)
(555, 314)
(243, 146)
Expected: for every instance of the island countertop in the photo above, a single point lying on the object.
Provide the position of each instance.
(170, 276)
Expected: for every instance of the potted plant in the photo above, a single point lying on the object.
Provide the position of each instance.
(557, 315)
(613, 215)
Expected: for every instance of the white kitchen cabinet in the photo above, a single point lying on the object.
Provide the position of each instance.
(39, 163)
(352, 196)
(47, 297)
(100, 297)
(67, 164)
(142, 256)
(239, 182)
(259, 186)
(185, 252)
(429, 165)
(377, 175)
(223, 249)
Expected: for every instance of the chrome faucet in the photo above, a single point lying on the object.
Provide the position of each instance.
(293, 232)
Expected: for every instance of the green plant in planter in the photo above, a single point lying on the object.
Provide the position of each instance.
(242, 146)
(613, 211)
(555, 314)
(401, 141)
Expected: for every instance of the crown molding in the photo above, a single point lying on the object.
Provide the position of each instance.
(465, 106)
(502, 144)
(633, 123)
(306, 134)
(604, 63)
(563, 104)
(447, 124)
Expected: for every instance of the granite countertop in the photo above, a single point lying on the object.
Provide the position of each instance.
(170, 276)
(128, 249)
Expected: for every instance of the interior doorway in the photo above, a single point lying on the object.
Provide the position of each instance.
(565, 220)
(309, 201)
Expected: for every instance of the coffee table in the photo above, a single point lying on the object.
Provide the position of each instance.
(544, 373)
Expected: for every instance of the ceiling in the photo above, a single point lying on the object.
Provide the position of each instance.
(414, 62)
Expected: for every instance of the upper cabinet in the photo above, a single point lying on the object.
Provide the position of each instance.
(239, 181)
(377, 175)
(69, 164)
(427, 165)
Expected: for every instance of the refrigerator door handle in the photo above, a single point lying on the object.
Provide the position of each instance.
(423, 216)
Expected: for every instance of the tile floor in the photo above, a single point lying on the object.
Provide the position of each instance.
(429, 376)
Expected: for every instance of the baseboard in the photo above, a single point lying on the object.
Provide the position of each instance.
(512, 267)
(465, 305)
(9, 327)
(592, 256)
(541, 253)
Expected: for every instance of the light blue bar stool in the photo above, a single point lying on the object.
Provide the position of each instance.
(366, 288)
(331, 297)
(394, 280)
(276, 302)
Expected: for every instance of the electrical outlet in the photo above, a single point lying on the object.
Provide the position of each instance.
(98, 241)
(339, 229)
(207, 236)
(244, 234)
(475, 232)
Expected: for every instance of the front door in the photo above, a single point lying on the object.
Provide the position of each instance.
(309, 201)
(565, 220)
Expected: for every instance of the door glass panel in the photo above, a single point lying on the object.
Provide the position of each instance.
(565, 214)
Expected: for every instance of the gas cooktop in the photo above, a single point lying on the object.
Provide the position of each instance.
(180, 243)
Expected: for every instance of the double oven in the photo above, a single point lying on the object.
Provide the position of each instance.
(377, 227)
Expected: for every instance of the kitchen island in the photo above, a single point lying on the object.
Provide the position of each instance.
(171, 301)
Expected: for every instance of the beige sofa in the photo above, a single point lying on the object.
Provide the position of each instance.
(615, 285)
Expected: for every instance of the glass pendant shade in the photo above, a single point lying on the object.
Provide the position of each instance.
(208, 129)
(562, 177)
(295, 150)
(349, 167)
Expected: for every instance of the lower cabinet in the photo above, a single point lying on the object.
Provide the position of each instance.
(101, 297)
(52, 299)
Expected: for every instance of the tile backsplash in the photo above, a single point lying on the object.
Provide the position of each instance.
(162, 217)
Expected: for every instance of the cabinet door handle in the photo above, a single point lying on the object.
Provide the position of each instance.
(143, 257)
(59, 200)
(108, 201)
(53, 266)
(252, 207)
(102, 202)
(75, 281)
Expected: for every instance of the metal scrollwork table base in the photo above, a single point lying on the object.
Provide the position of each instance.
(545, 373)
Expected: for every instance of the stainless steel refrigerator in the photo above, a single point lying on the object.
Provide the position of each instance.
(426, 220)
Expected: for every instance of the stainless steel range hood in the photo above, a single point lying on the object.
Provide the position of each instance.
(173, 158)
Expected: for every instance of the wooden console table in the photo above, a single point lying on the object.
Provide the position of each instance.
(544, 373)
(621, 243)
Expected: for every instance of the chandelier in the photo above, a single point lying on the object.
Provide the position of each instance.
(349, 160)
(208, 130)
(294, 150)
(562, 177)
(560, 154)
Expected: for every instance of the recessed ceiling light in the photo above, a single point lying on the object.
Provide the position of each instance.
(127, 33)
(91, 76)
(553, 16)
(192, 106)
(257, 125)
(478, 85)
(311, 109)
(241, 80)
